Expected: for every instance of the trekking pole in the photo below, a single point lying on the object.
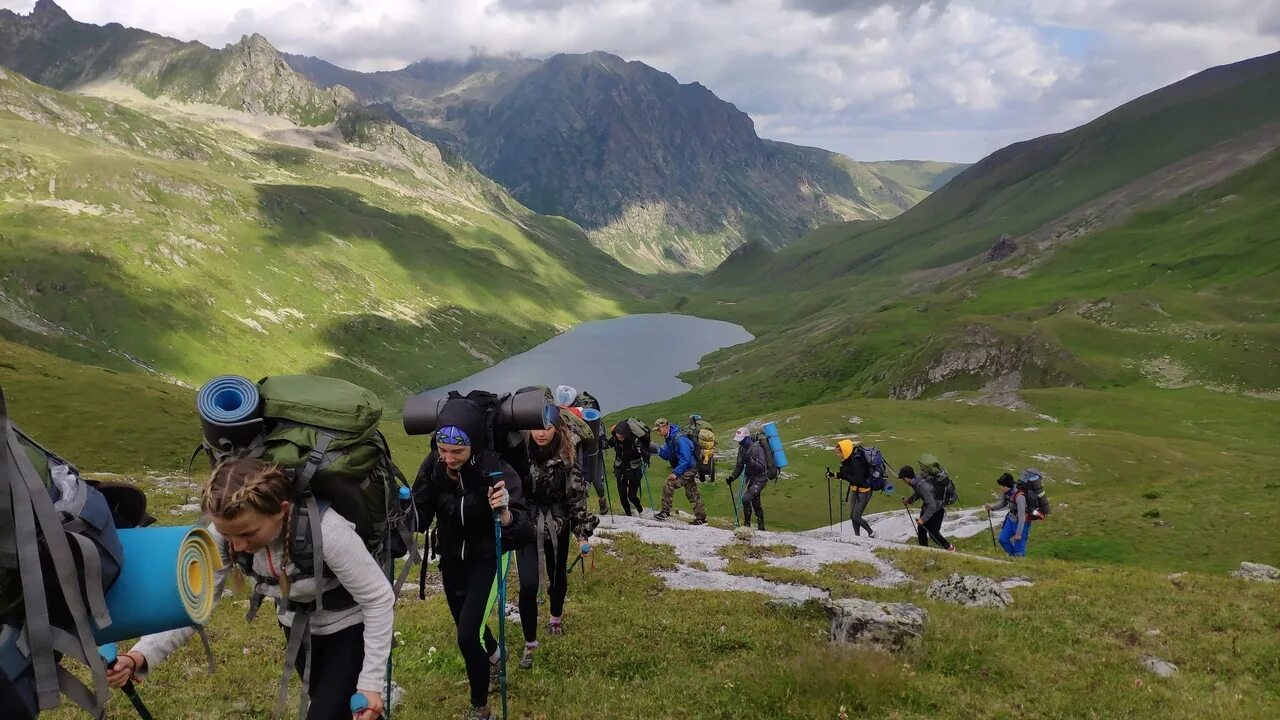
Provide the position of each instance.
(993, 532)
(109, 653)
(644, 473)
(829, 522)
(733, 502)
(502, 612)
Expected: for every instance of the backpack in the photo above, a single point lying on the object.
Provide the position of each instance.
(585, 400)
(876, 462)
(324, 433)
(941, 481)
(637, 432)
(704, 443)
(771, 469)
(59, 546)
(1031, 484)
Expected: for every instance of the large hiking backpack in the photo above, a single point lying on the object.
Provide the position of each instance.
(771, 469)
(879, 468)
(703, 436)
(1032, 486)
(941, 481)
(633, 431)
(59, 554)
(585, 400)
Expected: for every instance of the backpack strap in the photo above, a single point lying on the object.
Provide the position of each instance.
(35, 518)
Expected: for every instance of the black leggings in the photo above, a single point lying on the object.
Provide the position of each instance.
(858, 505)
(336, 660)
(751, 500)
(557, 580)
(466, 587)
(629, 488)
(932, 528)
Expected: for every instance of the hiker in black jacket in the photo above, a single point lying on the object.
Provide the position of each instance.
(461, 485)
(752, 461)
(855, 470)
(929, 522)
(630, 456)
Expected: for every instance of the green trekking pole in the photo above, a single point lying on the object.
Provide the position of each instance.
(829, 521)
(733, 502)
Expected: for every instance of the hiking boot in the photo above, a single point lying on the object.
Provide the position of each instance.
(662, 515)
(555, 626)
(526, 660)
(604, 506)
(699, 521)
(951, 548)
(480, 713)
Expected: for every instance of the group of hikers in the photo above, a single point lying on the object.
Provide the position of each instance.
(485, 492)
(864, 469)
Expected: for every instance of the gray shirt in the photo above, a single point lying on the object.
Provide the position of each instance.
(1017, 509)
(354, 569)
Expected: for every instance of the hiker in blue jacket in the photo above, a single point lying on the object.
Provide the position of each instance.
(678, 450)
(1016, 529)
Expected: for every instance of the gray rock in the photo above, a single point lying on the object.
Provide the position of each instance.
(1158, 667)
(1257, 571)
(970, 591)
(783, 603)
(887, 626)
(1003, 248)
(743, 533)
(1016, 581)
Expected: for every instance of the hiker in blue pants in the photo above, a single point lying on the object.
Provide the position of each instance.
(1016, 529)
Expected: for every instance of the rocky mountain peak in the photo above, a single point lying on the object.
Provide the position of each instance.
(49, 13)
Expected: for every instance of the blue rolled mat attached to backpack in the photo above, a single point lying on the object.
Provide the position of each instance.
(230, 411)
(167, 582)
(775, 444)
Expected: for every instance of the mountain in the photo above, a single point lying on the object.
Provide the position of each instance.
(189, 240)
(662, 174)
(52, 49)
(926, 175)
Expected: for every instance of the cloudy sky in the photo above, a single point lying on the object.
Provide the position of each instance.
(877, 79)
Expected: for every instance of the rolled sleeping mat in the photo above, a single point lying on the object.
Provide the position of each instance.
(527, 410)
(421, 413)
(770, 431)
(167, 582)
(230, 411)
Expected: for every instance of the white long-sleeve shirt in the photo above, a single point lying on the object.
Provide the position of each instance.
(353, 568)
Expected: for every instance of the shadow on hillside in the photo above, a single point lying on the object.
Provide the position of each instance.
(107, 308)
(283, 155)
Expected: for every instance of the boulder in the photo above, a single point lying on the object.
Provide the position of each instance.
(887, 626)
(743, 533)
(1003, 248)
(1158, 667)
(1257, 571)
(970, 591)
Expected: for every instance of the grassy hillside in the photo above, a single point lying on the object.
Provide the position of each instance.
(188, 248)
(927, 175)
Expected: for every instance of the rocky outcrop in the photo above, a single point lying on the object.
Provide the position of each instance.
(1257, 571)
(886, 626)
(1004, 247)
(982, 354)
(970, 591)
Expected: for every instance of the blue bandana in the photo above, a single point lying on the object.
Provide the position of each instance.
(453, 435)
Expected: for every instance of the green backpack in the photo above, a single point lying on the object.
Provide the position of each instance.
(324, 431)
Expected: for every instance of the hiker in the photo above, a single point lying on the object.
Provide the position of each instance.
(630, 446)
(461, 484)
(855, 470)
(1016, 529)
(678, 450)
(350, 637)
(752, 462)
(591, 455)
(557, 500)
(932, 512)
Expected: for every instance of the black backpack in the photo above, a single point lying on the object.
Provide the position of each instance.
(1031, 484)
(771, 470)
(585, 400)
(941, 481)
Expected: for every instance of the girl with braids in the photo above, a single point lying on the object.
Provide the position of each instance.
(462, 485)
(557, 497)
(248, 502)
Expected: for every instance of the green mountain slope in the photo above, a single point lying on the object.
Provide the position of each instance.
(927, 175)
(166, 241)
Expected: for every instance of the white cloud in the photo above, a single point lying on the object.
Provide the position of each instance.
(946, 79)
